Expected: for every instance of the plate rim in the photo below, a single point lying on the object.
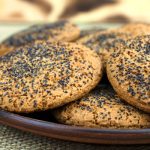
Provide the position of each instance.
(73, 133)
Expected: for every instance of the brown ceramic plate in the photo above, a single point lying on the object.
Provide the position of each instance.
(44, 124)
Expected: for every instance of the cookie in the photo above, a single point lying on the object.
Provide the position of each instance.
(59, 31)
(88, 32)
(102, 108)
(4, 50)
(136, 29)
(128, 70)
(46, 75)
(104, 42)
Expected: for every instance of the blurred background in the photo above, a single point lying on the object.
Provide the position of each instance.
(16, 15)
(81, 11)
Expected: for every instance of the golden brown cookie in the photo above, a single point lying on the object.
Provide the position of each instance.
(4, 49)
(102, 108)
(128, 70)
(103, 42)
(88, 32)
(46, 75)
(135, 29)
(58, 31)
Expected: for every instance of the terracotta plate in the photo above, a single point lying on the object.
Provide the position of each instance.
(44, 124)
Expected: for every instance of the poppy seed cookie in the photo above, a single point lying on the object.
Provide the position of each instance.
(135, 29)
(58, 31)
(104, 42)
(4, 50)
(46, 75)
(88, 32)
(102, 108)
(128, 70)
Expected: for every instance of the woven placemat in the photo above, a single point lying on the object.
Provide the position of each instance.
(14, 139)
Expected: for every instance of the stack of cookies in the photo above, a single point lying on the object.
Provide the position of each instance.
(92, 79)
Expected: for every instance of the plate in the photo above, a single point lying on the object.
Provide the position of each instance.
(43, 124)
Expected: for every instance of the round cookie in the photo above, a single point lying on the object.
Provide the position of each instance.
(58, 31)
(136, 29)
(128, 70)
(88, 32)
(4, 50)
(104, 42)
(46, 75)
(102, 108)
